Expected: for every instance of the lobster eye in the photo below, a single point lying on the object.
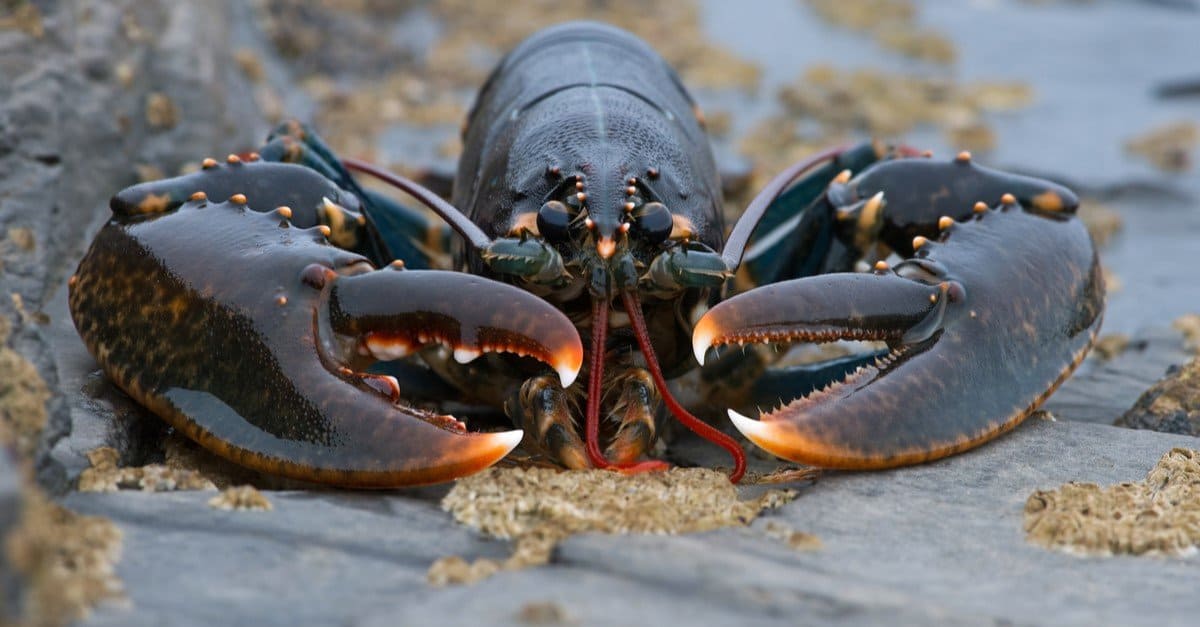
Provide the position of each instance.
(553, 221)
(653, 222)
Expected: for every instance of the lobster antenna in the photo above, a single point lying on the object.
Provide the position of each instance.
(735, 244)
(595, 378)
(448, 212)
(634, 308)
(596, 391)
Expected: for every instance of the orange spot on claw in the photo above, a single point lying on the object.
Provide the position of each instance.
(1048, 201)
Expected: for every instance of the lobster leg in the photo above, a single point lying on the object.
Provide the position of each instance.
(982, 326)
(544, 411)
(634, 413)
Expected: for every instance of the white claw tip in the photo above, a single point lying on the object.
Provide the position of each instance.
(508, 440)
(566, 374)
(701, 341)
(465, 355)
(749, 427)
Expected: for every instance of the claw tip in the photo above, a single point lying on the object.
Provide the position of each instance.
(702, 339)
(505, 441)
(568, 370)
(762, 434)
(753, 429)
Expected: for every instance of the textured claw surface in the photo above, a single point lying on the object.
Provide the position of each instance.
(470, 315)
(217, 318)
(919, 188)
(983, 326)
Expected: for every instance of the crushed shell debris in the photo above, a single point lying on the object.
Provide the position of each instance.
(1157, 516)
(67, 561)
(241, 498)
(539, 507)
(106, 475)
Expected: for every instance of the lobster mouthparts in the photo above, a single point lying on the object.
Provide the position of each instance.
(982, 325)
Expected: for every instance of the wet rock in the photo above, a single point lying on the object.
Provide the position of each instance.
(1160, 515)
(72, 131)
(960, 520)
(73, 82)
(1104, 389)
(10, 508)
(941, 542)
(1172, 405)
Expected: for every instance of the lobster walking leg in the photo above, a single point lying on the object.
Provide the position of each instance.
(541, 407)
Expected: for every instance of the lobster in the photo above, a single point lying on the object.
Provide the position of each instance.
(243, 304)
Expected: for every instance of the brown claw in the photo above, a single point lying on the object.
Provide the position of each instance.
(396, 312)
(237, 329)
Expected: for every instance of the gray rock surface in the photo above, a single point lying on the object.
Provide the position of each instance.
(1171, 405)
(72, 132)
(941, 542)
(1101, 391)
(10, 512)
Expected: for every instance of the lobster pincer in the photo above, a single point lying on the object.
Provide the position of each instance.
(992, 309)
(251, 335)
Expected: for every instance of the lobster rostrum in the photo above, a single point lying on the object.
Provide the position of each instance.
(243, 305)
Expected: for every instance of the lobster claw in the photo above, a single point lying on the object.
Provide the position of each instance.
(982, 325)
(433, 310)
(243, 332)
(366, 310)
